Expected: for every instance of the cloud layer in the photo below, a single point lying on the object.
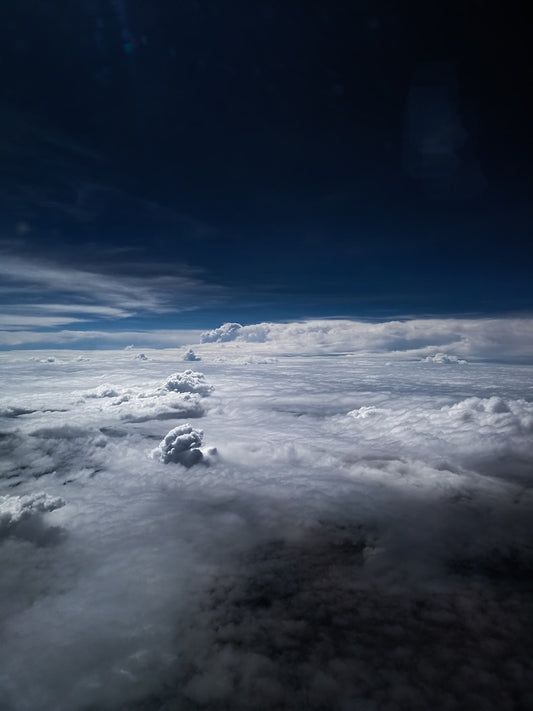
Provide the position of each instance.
(361, 539)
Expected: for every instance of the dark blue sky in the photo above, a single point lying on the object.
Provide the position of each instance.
(245, 160)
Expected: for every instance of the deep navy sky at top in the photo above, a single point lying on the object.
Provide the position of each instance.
(316, 157)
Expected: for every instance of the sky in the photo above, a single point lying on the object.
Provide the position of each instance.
(179, 165)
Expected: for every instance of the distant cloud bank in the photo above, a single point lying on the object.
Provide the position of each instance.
(439, 341)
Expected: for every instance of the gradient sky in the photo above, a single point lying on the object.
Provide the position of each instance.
(181, 164)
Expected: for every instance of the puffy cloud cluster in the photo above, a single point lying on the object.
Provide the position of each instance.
(493, 416)
(490, 418)
(178, 397)
(490, 436)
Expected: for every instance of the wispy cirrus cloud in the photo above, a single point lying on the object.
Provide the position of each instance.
(74, 338)
(45, 293)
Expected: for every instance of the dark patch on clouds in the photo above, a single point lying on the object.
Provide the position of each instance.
(292, 628)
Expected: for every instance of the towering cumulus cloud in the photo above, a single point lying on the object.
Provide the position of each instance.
(182, 444)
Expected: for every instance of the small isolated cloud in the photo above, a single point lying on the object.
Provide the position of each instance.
(181, 445)
(190, 356)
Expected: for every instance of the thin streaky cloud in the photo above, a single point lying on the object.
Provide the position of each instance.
(19, 321)
(91, 291)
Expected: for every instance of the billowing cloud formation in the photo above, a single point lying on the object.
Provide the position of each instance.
(180, 445)
(503, 338)
(189, 381)
(226, 332)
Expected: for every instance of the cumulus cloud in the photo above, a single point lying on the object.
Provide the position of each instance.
(189, 381)
(17, 508)
(226, 332)
(491, 436)
(180, 445)
(190, 356)
(179, 396)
